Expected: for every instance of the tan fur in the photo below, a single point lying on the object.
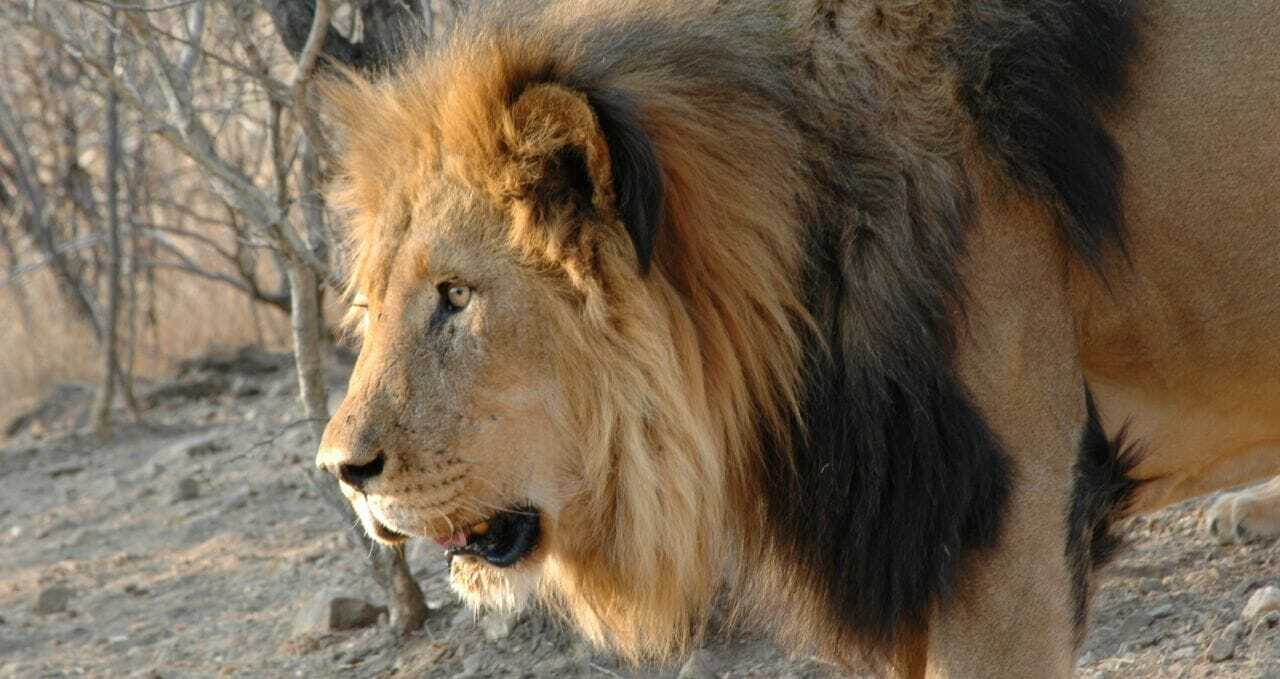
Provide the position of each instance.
(1246, 515)
(674, 362)
(1183, 347)
(628, 407)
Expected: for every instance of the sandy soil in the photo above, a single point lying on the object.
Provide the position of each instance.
(190, 546)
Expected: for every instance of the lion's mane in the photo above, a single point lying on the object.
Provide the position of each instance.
(775, 390)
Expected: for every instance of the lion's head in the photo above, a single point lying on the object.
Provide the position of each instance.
(561, 380)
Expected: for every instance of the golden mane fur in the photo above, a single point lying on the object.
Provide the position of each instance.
(670, 374)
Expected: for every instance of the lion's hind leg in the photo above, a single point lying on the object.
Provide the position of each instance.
(1245, 515)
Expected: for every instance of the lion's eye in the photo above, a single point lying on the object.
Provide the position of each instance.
(457, 296)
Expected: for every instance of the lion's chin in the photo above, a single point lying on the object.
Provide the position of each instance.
(483, 585)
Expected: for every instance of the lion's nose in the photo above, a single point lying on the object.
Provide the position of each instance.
(354, 473)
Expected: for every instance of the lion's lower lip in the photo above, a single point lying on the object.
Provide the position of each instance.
(382, 532)
(510, 536)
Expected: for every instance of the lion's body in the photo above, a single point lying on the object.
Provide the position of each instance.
(1183, 345)
(820, 290)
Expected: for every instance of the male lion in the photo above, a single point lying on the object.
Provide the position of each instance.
(849, 300)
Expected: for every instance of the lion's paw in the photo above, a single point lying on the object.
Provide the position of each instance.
(1246, 515)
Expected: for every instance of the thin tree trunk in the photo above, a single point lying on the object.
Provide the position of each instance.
(101, 419)
(404, 598)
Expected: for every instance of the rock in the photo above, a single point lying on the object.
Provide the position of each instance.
(238, 501)
(1184, 653)
(52, 599)
(282, 388)
(698, 666)
(1262, 602)
(244, 360)
(473, 664)
(497, 625)
(187, 489)
(194, 388)
(1134, 624)
(1144, 640)
(199, 446)
(1162, 611)
(135, 590)
(463, 616)
(328, 612)
(1224, 647)
(244, 388)
(1267, 622)
(149, 472)
(65, 470)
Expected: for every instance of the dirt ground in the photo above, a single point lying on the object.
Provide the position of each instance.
(191, 546)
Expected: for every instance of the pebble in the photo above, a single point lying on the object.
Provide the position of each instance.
(1224, 647)
(187, 489)
(497, 625)
(1134, 624)
(242, 387)
(52, 599)
(200, 445)
(463, 616)
(1263, 601)
(698, 666)
(472, 663)
(1267, 622)
(329, 612)
(1162, 611)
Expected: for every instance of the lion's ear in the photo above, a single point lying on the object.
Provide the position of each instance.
(581, 154)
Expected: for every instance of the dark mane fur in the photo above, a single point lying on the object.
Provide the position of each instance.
(888, 478)
(1035, 77)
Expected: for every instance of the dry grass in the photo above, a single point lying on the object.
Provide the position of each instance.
(49, 347)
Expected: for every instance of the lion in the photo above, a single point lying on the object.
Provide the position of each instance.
(1245, 515)
(876, 313)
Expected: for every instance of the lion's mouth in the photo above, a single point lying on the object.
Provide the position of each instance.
(502, 540)
(384, 533)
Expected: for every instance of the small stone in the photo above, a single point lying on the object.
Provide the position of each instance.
(1262, 602)
(328, 612)
(1224, 647)
(497, 625)
(52, 599)
(472, 664)
(1135, 624)
(463, 616)
(282, 388)
(134, 590)
(202, 446)
(1162, 611)
(698, 666)
(187, 489)
(1184, 653)
(65, 470)
(238, 501)
(242, 387)
(1267, 622)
